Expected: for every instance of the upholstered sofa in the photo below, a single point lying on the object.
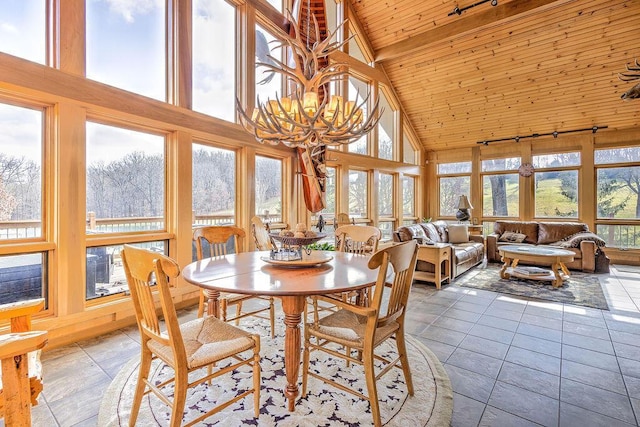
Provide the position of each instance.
(468, 250)
(572, 236)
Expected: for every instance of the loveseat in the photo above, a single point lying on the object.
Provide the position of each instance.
(573, 236)
(468, 251)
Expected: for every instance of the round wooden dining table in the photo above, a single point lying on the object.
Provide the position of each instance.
(252, 273)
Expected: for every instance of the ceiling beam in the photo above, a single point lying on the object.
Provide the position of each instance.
(460, 26)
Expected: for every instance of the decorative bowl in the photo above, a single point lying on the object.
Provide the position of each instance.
(297, 241)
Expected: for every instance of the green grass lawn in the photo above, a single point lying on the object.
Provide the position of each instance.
(549, 197)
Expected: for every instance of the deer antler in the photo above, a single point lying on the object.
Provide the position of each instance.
(632, 74)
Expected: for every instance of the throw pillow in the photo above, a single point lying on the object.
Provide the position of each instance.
(512, 237)
(458, 233)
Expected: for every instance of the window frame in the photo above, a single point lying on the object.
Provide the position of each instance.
(45, 244)
(505, 171)
(440, 176)
(613, 222)
(576, 168)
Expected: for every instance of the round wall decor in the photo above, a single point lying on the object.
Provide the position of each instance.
(525, 169)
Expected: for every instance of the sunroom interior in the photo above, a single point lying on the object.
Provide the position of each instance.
(120, 126)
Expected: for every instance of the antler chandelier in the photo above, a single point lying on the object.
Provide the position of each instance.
(309, 117)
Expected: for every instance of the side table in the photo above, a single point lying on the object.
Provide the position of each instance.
(435, 254)
(475, 230)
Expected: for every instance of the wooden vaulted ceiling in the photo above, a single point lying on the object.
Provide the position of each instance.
(518, 68)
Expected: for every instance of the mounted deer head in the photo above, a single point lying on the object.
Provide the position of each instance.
(632, 74)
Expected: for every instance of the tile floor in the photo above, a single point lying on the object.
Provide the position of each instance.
(512, 362)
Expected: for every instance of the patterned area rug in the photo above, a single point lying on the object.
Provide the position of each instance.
(431, 405)
(580, 289)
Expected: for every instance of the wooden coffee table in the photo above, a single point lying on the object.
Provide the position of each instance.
(554, 257)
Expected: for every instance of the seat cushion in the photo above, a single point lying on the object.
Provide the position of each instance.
(466, 252)
(206, 340)
(349, 328)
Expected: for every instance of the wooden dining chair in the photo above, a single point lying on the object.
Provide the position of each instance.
(216, 238)
(341, 219)
(357, 239)
(260, 233)
(21, 380)
(186, 347)
(365, 328)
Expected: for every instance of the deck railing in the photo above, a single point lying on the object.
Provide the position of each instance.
(33, 228)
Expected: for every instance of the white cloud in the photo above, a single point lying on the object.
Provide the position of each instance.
(6, 27)
(128, 9)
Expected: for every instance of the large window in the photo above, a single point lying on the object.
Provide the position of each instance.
(23, 275)
(556, 185)
(500, 188)
(214, 185)
(329, 212)
(618, 186)
(214, 58)
(268, 83)
(269, 189)
(386, 129)
(126, 45)
(354, 48)
(21, 138)
(105, 274)
(386, 221)
(408, 199)
(358, 194)
(277, 4)
(357, 91)
(454, 180)
(125, 180)
(22, 29)
(408, 152)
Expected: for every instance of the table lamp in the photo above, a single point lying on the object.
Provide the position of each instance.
(463, 209)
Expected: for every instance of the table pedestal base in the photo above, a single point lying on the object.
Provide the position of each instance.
(293, 306)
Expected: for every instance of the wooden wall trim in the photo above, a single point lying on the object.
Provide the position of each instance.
(57, 84)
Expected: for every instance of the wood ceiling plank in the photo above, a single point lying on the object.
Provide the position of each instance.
(460, 27)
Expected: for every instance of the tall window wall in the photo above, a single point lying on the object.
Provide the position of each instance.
(358, 194)
(125, 187)
(214, 58)
(23, 32)
(111, 161)
(213, 185)
(618, 186)
(357, 91)
(454, 180)
(22, 217)
(386, 129)
(268, 83)
(408, 200)
(269, 189)
(126, 45)
(500, 188)
(386, 220)
(556, 185)
(329, 212)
